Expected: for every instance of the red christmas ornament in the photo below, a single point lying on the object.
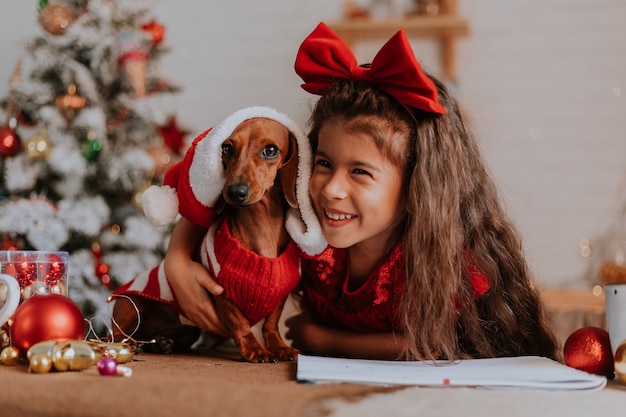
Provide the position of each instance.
(589, 349)
(102, 272)
(156, 30)
(8, 243)
(101, 269)
(10, 142)
(56, 270)
(44, 317)
(173, 136)
(26, 273)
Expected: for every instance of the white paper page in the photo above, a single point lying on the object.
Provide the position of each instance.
(521, 372)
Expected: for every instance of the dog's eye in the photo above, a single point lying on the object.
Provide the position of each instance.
(227, 150)
(270, 152)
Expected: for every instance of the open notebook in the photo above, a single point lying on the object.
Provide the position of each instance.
(514, 372)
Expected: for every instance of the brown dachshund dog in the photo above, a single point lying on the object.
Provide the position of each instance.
(260, 162)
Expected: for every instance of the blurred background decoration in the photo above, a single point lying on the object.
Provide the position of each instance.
(85, 131)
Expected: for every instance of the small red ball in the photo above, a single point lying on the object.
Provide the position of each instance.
(589, 349)
(44, 317)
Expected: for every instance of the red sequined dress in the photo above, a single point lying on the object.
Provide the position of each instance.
(372, 306)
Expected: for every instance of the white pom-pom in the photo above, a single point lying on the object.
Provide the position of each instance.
(160, 204)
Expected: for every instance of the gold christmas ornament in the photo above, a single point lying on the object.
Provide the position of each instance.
(38, 287)
(40, 364)
(74, 355)
(4, 339)
(59, 288)
(120, 351)
(620, 362)
(10, 356)
(70, 103)
(56, 18)
(71, 355)
(38, 146)
(41, 348)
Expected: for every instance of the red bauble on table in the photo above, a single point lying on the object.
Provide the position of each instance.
(589, 349)
(44, 317)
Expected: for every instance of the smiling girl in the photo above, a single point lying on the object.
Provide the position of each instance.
(422, 261)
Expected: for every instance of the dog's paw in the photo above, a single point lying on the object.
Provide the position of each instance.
(285, 353)
(271, 354)
(161, 344)
(258, 355)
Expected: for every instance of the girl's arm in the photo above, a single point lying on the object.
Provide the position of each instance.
(192, 284)
(314, 338)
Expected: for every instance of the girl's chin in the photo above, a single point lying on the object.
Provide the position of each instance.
(339, 242)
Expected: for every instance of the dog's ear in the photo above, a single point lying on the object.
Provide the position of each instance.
(289, 172)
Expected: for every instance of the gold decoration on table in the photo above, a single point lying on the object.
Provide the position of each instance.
(40, 364)
(9, 356)
(4, 338)
(620, 362)
(120, 351)
(71, 355)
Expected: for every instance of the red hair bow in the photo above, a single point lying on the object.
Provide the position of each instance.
(324, 57)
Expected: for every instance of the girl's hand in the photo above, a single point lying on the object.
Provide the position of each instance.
(194, 293)
(304, 333)
(314, 338)
(192, 284)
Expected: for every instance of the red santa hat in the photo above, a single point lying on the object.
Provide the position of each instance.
(192, 186)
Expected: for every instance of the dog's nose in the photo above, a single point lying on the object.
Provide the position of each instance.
(238, 192)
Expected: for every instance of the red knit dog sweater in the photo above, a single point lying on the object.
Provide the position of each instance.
(255, 284)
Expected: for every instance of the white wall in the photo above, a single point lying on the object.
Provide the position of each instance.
(544, 82)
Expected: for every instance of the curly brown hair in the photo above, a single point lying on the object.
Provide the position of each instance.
(453, 212)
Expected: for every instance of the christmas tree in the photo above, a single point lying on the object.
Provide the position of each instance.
(86, 131)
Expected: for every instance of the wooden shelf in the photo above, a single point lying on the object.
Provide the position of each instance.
(444, 28)
(422, 26)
